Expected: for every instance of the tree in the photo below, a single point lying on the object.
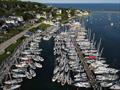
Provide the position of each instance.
(27, 16)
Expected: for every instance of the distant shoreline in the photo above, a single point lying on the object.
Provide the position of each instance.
(81, 3)
(106, 11)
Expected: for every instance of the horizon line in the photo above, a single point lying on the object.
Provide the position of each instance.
(74, 2)
(77, 3)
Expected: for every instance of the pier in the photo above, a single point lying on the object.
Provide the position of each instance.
(89, 73)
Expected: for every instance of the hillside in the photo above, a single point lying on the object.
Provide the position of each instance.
(8, 7)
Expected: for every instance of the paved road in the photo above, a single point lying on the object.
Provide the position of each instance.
(12, 40)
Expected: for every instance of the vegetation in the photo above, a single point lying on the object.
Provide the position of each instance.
(44, 26)
(10, 49)
(9, 7)
(12, 32)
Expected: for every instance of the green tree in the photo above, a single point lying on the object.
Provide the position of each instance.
(27, 16)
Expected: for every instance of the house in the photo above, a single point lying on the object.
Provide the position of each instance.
(39, 31)
(38, 16)
(20, 19)
(33, 21)
(48, 22)
(14, 22)
(69, 15)
(58, 17)
(17, 18)
(78, 12)
(68, 11)
(81, 13)
(85, 13)
(50, 16)
(58, 11)
(4, 27)
(44, 13)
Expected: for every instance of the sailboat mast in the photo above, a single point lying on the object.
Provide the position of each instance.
(89, 35)
(98, 49)
(93, 38)
(101, 52)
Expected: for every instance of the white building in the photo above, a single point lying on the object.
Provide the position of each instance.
(48, 22)
(58, 11)
(11, 21)
(58, 18)
(38, 16)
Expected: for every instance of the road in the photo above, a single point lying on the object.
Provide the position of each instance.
(12, 40)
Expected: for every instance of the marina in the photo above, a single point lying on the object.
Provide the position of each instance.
(78, 62)
(59, 45)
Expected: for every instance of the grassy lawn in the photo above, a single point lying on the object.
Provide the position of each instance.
(44, 26)
(10, 49)
(13, 32)
(64, 21)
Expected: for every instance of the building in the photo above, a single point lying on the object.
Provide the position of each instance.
(48, 22)
(38, 16)
(58, 11)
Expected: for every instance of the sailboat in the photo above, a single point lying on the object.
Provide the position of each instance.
(14, 81)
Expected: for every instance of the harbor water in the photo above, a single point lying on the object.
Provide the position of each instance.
(105, 25)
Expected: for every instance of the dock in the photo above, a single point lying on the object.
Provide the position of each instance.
(89, 73)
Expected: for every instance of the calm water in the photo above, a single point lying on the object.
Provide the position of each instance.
(99, 23)
(91, 7)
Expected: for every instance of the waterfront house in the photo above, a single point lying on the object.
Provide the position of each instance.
(58, 11)
(78, 12)
(85, 13)
(81, 13)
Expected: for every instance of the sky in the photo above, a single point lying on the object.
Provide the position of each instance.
(75, 1)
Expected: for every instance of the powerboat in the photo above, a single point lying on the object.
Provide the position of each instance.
(33, 73)
(38, 65)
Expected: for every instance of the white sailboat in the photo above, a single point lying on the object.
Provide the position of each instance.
(11, 87)
(14, 81)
